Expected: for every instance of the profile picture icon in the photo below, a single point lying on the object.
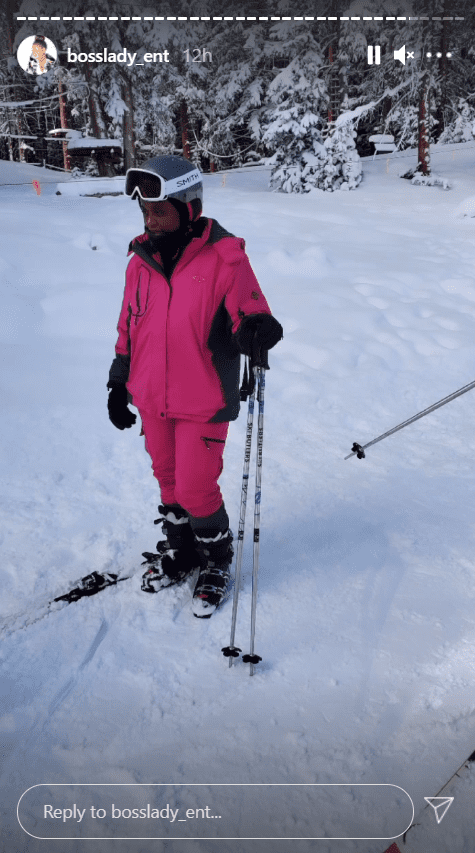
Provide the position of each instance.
(36, 55)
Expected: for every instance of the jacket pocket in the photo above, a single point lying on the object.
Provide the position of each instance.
(205, 438)
(140, 294)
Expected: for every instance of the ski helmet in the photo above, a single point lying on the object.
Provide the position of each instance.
(175, 179)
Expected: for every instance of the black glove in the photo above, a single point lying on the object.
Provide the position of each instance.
(119, 413)
(262, 330)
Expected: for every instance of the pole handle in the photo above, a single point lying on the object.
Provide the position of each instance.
(259, 355)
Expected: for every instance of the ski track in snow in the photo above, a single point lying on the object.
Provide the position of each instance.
(66, 689)
(366, 595)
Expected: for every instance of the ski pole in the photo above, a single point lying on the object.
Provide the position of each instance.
(252, 658)
(232, 651)
(360, 450)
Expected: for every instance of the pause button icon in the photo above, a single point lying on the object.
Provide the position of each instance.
(374, 54)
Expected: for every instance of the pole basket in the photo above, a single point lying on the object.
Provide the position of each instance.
(231, 651)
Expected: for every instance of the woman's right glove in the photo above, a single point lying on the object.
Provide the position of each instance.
(119, 412)
(262, 330)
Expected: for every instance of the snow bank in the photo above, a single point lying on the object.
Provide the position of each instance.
(91, 186)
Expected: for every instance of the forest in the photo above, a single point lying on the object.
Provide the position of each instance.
(285, 83)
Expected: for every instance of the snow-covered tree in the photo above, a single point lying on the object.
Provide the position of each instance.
(462, 127)
(342, 169)
(295, 103)
(269, 86)
(234, 93)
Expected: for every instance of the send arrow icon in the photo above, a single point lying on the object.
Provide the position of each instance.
(440, 805)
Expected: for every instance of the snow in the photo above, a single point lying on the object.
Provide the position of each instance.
(23, 173)
(381, 138)
(92, 142)
(365, 616)
(90, 186)
(66, 133)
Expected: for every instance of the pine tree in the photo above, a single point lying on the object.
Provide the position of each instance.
(295, 100)
(462, 127)
(343, 169)
(230, 126)
(267, 88)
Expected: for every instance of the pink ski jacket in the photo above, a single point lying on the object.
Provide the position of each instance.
(175, 348)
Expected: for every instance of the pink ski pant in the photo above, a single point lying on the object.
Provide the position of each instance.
(187, 460)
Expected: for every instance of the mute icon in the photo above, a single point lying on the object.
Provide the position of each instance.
(401, 54)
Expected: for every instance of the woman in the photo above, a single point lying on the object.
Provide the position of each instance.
(40, 61)
(192, 305)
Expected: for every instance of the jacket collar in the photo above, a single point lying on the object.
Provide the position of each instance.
(141, 246)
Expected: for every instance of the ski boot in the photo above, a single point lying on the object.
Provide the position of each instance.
(177, 556)
(216, 553)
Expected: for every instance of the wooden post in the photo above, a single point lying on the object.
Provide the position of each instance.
(335, 78)
(443, 64)
(106, 170)
(184, 130)
(423, 164)
(128, 124)
(21, 151)
(9, 35)
(9, 139)
(64, 124)
(330, 62)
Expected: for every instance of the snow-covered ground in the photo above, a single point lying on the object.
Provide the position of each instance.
(366, 610)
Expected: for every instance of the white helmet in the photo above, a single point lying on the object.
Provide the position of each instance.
(172, 178)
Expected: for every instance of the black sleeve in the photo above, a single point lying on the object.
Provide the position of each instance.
(119, 372)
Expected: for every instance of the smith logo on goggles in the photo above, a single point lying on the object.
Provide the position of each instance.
(152, 187)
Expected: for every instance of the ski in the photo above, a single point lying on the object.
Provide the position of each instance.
(89, 585)
(84, 587)
(424, 819)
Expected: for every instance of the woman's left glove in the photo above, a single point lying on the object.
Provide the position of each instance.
(261, 329)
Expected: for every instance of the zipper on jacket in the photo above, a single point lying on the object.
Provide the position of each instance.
(216, 440)
(150, 260)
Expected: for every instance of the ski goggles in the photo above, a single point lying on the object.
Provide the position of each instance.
(152, 187)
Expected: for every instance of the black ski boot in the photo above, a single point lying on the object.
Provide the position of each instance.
(177, 555)
(216, 553)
